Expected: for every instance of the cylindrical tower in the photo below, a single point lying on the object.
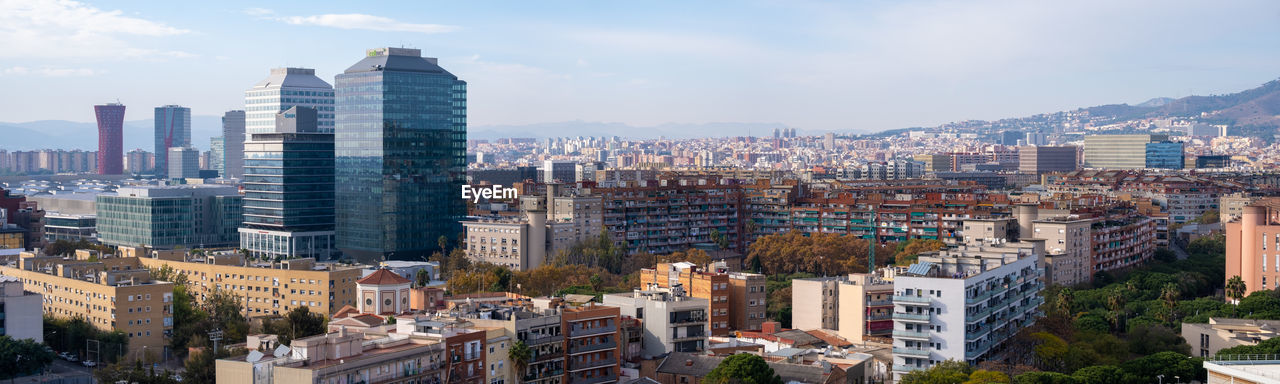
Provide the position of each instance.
(1025, 214)
(1250, 268)
(537, 241)
(110, 138)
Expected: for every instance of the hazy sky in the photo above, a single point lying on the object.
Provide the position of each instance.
(867, 66)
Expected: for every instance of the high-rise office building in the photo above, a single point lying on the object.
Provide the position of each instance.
(216, 153)
(288, 189)
(401, 162)
(183, 162)
(1132, 152)
(110, 138)
(232, 166)
(1037, 159)
(173, 129)
(283, 89)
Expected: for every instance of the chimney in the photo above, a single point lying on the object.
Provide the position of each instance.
(770, 327)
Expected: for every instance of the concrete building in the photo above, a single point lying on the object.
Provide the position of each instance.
(964, 303)
(20, 311)
(1220, 333)
(663, 216)
(173, 129)
(673, 321)
(110, 138)
(286, 88)
(231, 163)
(288, 189)
(1248, 241)
(183, 163)
(700, 284)
(70, 227)
(1247, 370)
(268, 289)
(111, 294)
(1132, 152)
(190, 216)
(1231, 207)
(347, 357)
(1068, 258)
(747, 301)
(547, 225)
(858, 307)
(1037, 160)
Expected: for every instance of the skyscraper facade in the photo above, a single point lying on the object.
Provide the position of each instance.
(216, 153)
(173, 129)
(183, 162)
(288, 185)
(110, 138)
(232, 166)
(400, 149)
(283, 89)
(1132, 152)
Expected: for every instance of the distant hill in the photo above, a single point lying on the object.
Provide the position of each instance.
(1257, 107)
(62, 134)
(597, 129)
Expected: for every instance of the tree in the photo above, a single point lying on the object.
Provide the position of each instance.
(1169, 364)
(1044, 378)
(982, 376)
(1099, 374)
(296, 324)
(1147, 339)
(1235, 289)
(742, 368)
(22, 357)
(946, 372)
(443, 243)
(1169, 296)
(423, 278)
(720, 239)
(520, 356)
(1050, 352)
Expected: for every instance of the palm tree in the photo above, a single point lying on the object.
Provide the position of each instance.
(1064, 302)
(1235, 290)
(423, 278)
(520, 355)
(1170, 294)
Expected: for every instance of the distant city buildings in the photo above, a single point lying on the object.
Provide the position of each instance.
(1132, 152)
(110, 138)
(231, 163)
(173, 129)
(401, 119)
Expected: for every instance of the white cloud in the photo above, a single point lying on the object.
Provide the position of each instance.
(48, 72)
(59, 29)
(366, 22)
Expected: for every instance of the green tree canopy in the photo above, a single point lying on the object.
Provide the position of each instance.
(742, 368)
(946, 372)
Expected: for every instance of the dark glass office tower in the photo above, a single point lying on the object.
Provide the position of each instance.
(400, 147)
(288, 189)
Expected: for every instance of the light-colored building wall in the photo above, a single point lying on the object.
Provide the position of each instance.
(672, 322)
(813, 303)
(22, 311)
(1207, 339)
(1068, 248)
(747, 301)
(273, 288)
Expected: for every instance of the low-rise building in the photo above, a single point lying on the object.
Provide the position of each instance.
(1246, 370)
(20, 311)
(268, 288)
(714, 287)
(111, 294)
(857, 306)
(1219, 333)
(187, 216)
(346, 357)
(673, 321)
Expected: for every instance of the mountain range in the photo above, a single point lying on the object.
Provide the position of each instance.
(1252, 112)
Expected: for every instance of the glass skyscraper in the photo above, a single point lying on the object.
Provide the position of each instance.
(173, 129)
(288, 189)
(400, 145)
(1165, 155)
(283, 89)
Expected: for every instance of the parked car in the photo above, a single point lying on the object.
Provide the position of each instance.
(64, 355)
(89, 363)
(72, 357)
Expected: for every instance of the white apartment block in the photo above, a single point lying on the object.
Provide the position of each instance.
(963, 303)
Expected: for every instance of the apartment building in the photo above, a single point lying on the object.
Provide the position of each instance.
(1068, 258)
(573, 344)
(857, 307)
(1122, 241)
(964, 303)
(672, 321)
(111, 294)
(268, 288)
(932, 215)
(748, 301)
(20, 311)
(1253, 247)
(714, 287)
(546, 226)
(673, 214)
(341, 356)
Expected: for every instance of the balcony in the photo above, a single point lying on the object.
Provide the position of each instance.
(911, 334)
(906, 368)
(912, 317)
(594, 380)
(581, 332)
(592, 347)
(911, 300)
(879, 316)
(579, 366)
(680, 321)
(913, 352)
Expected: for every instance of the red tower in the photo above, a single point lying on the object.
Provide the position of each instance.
(110, 138)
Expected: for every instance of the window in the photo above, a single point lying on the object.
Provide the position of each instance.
(368, 301)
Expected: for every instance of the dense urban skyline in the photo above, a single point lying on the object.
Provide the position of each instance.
(816, 66)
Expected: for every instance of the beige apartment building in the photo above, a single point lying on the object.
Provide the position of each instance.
(747, 301)
(338, 357)
(1068, 249)
(546, 227)
(1207, 339)
(110, 293)
(268, 289)
(857, 307)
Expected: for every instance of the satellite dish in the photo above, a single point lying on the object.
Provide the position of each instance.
(281, 351)
(254, 356)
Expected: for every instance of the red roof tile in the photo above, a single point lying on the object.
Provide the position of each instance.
(383, 277)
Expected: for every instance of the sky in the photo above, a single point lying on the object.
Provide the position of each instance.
(842, 66)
